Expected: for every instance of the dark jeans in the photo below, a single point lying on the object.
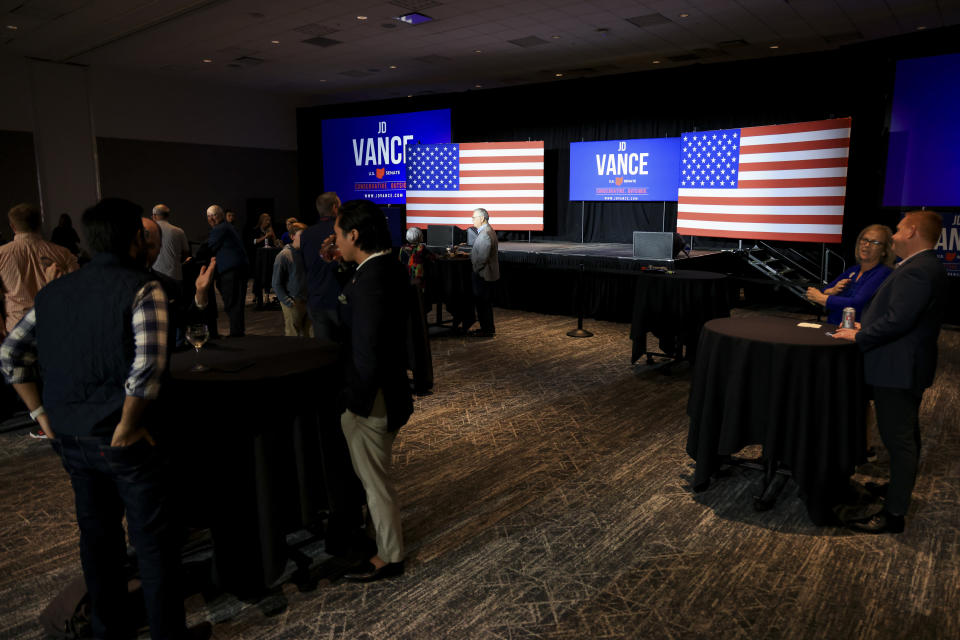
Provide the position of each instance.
(483, 300)
(326, 325)
(898, 420)
(233, 289)
(108, 482)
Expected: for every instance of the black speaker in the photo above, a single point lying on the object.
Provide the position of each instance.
(440, 235)
(654, 245)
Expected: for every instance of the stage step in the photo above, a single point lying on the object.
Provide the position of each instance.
(785, 267)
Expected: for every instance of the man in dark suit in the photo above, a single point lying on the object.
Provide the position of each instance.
(898, 338)
(225, 243)
(374, 311)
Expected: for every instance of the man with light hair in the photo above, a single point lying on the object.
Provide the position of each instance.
(174, 248)
(486, 272)
(898, 337)
(27, 264)
(227, 246)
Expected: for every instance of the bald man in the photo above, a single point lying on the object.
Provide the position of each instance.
(898, 337)
(225, 243)
(174, 249)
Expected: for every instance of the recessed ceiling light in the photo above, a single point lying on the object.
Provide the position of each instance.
(656, 62)
(207, 60)
(361, 17)
(478, 50)
(274, 42)
(409, 95)
(555, 37)
(393, 66)
(558, 75)
(774, 46)
(920, 28)
(322, 80)
(12, 27)
(478, 86)
(684, 15)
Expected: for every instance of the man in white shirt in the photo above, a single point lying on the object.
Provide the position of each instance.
(174, 248)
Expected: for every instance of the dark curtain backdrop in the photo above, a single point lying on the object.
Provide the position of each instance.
(18, 175)
(190, 177)
(853, 81)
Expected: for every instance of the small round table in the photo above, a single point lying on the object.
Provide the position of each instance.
(245, 447)
(674, 307)
(795, 390)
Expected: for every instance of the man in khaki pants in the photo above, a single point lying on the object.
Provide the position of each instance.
(290, 284)
(374, 308)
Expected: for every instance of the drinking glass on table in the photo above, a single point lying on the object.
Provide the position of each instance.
(197, 335)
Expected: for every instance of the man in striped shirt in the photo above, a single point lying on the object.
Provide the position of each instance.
(99, 335)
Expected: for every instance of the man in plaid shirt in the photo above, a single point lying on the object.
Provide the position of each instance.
(98, 338)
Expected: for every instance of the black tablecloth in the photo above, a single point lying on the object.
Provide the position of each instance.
(796, 391)
(448, 282)
(263, 260)
(674, 307)
(244, 439)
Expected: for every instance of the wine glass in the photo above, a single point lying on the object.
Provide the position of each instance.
(197, 335)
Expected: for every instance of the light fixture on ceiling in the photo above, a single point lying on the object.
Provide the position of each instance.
(921, 28)
(207, 60)
(656, 62)
(478, 86)
(555, 37)
(12, 27)
(774, 46)
(274, 42)
(478, 50)
(409, 95)
(361, 17)
(322, 80)
(684, 15)
(393, 66)
(558, 75)
(414, 18)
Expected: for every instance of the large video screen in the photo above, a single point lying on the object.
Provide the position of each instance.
(365, 157)
(625, 170)
(923, 161)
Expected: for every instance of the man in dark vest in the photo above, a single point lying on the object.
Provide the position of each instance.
(99, 339)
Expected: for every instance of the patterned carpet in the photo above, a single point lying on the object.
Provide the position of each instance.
(545, 494)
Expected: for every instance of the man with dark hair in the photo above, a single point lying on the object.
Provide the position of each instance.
(27, 264)
(99, 337)
(898, 337)
(374, 308)
(225, 243)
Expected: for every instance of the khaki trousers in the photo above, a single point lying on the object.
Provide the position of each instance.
(295, 320)
(370, 447)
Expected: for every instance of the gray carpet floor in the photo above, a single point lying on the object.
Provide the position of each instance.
(545, 494)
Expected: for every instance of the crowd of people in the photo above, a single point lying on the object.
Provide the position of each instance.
(338, 280)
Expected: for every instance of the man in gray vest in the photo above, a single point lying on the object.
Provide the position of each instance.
(99, 335)
(486, 272)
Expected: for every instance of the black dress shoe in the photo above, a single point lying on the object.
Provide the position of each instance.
(366, 572)
(882, 522)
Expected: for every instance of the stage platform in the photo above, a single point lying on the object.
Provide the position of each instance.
(560, 277)
(600, 255)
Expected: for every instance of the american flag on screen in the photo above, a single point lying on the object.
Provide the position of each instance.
(446, 182)
(782, 182)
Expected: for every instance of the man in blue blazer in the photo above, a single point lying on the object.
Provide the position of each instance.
(374, 312)
(898, 337)
(225, 243)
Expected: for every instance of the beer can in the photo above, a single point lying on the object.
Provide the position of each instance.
(849, 316)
